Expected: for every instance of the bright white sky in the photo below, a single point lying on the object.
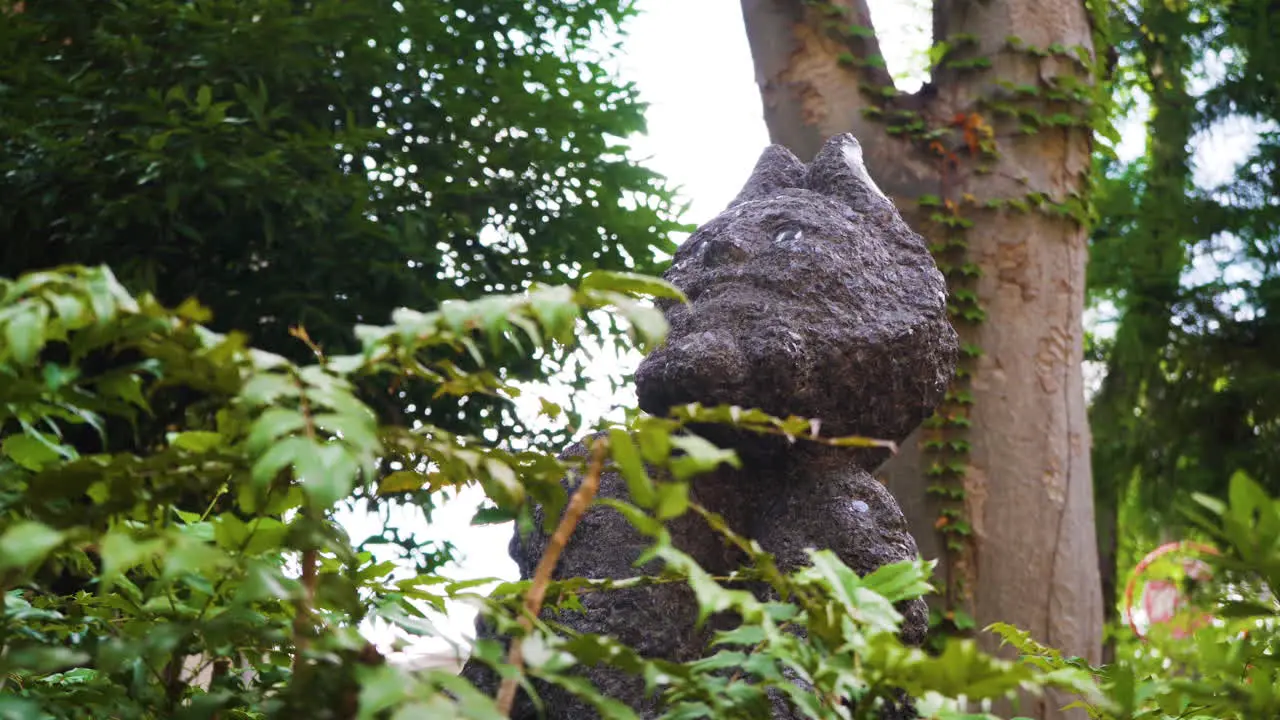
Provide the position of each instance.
(691, 62)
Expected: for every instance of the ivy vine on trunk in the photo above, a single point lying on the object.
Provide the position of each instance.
(991, 162)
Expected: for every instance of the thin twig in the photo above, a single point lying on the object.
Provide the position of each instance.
(542, 575)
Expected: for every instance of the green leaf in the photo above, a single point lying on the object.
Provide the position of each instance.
(125, 386)
(37, 660)
(627, 457)
(327, 473)
(27, 543)
(191, 310)
(24, 331)
(197, 441)
(268, 389)
(204, 97)
(420, 626)
(900, 581)
(501, 484)
(673, 500)
(401, 481)
(121, 552)
(30, 452)
(937, 52)
(649, 324)
(381, 688)
(634, 283)
(847, 589)
(699, 456)
(15, 708)
(189, 555)
(1247, 499)
(555, 309)
(271, 425)
(637, 517)
(655, 443)
(492, 516)
(280, 456)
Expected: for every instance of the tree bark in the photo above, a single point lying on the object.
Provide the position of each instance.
(1032, 557)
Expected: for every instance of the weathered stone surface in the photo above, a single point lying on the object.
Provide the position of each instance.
(816, 301)
(808, 296)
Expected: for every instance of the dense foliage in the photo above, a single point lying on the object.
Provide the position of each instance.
(272, 581)
(1191, 267)
(1228, 668)
(253, 610)
(323, 162)
(1183, 270)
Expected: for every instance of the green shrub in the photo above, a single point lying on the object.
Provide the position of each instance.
(263, 579)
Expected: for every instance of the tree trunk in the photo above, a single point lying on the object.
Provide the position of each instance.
(953, 154)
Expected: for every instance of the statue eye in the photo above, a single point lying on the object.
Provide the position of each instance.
(788, 233)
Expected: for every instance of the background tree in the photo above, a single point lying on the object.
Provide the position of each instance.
(1187, 272)
(320, 163)
(990, 161)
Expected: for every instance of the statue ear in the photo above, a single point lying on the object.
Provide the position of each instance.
(839, 172)
(777, 169)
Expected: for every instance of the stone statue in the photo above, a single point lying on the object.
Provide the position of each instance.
(808, 296)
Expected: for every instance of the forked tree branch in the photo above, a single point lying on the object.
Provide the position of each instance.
(807, 55)
(821, 73)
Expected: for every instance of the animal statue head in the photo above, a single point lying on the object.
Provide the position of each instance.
(808, 296)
